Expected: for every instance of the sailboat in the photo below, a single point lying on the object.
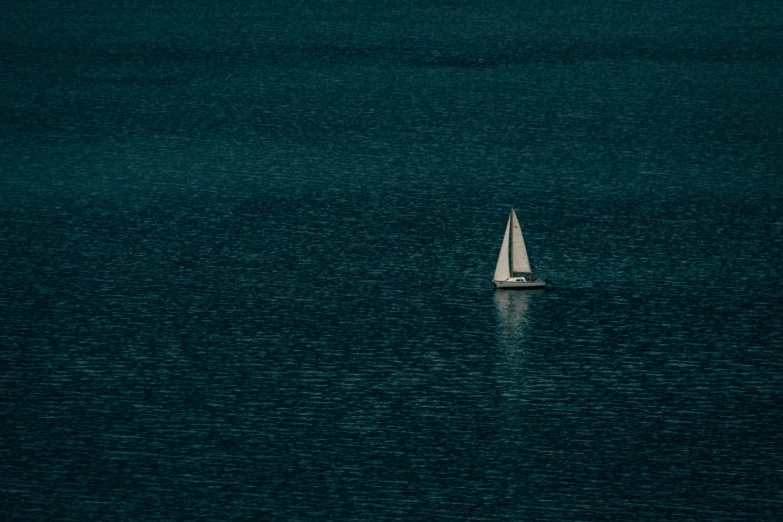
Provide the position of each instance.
(516, 263)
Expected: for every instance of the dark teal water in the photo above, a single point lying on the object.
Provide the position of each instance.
(247, 253)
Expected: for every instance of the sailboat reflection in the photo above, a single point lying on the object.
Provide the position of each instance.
(512, 310)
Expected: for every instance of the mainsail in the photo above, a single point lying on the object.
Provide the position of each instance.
(519, 259)
(502, 269)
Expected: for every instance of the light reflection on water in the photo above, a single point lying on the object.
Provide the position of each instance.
(512, 309)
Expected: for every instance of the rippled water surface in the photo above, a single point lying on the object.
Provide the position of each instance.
(247, 255)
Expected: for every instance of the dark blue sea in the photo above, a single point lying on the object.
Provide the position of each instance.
(246, 252)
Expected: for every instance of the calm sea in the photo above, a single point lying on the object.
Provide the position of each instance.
(247, 247)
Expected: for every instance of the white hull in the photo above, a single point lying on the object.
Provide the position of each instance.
(518, 284)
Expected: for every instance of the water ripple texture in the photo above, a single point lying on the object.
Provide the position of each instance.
(247, 255)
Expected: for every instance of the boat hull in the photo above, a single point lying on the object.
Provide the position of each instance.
(519, 285)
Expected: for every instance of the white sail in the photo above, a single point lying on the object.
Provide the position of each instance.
(502, 270)
(519, 252)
